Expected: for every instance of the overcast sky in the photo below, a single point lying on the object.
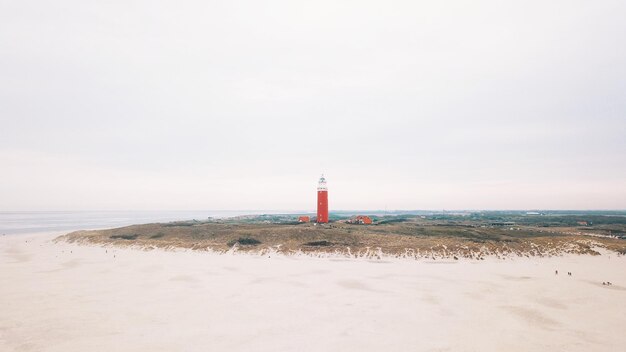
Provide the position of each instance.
(184, 105)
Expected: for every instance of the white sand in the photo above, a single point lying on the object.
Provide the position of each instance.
(52, 299)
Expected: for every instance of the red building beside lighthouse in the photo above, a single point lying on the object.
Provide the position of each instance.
(322, 201)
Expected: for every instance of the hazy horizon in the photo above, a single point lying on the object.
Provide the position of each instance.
(297, 211)
(149, 106)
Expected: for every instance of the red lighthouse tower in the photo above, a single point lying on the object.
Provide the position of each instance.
(322, 201)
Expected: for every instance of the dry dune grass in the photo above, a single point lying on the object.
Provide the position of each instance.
(408, 239)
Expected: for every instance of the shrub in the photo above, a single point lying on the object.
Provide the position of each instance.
(244, 241)
(124, 237)
(319, 243)
(180, 223)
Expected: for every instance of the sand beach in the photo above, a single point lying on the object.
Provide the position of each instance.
(58, 296)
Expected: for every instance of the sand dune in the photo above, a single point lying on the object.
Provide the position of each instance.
(65, 297)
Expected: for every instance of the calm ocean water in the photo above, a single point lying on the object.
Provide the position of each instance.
(12, 223)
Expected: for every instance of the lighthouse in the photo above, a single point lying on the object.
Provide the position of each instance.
(322, 201)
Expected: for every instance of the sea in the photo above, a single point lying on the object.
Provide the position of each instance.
(33, 222)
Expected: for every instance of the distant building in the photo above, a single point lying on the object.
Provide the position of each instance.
(304, 219)
(582, 223)
(361, 220)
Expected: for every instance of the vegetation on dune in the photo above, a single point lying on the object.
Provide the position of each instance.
(124, 237)
(181, 223)
(245, 241)
(448, 235)
(389, 219)
(319, 243)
